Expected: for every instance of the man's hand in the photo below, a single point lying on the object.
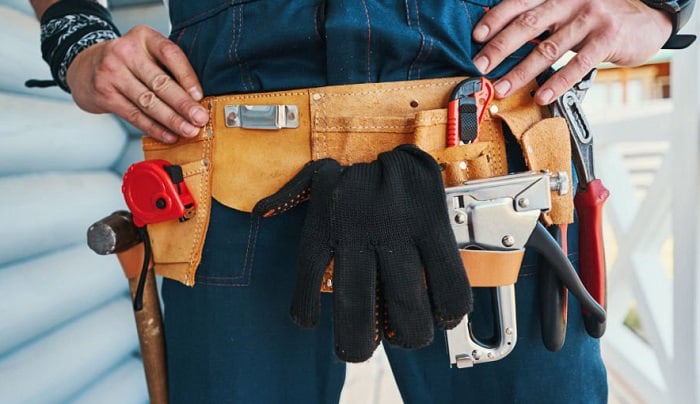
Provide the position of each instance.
(624, 32)
(144, 78)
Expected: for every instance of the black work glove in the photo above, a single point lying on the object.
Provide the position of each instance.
(385, 226)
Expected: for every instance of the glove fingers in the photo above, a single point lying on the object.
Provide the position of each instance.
(305, 308)
(418, 153)
(407, 318)
(354, 315)
(447, 281)
(297, 190)
(418, 170)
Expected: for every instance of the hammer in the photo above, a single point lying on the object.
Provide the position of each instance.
(117, 234)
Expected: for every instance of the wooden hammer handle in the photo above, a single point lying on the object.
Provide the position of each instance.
(149, 324)
(116, 234)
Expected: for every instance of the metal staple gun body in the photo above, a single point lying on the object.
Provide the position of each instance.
(496, 214)
(502, 214)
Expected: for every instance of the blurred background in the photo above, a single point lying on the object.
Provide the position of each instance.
(67, 332)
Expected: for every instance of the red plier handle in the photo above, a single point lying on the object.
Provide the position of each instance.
(589, 206)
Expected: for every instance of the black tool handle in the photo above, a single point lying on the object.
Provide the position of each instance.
(553, 302)
(547, 246)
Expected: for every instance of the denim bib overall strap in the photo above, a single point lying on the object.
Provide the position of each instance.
(230, 338)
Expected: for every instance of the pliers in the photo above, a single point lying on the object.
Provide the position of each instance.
(591, 194)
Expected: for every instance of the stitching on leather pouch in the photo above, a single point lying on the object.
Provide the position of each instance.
(253, 96)
(203, 202)
(396, 89)
(204, 185)
(320, 149)
(423, 122)
(200, 169)
(350, 128)
(433, 121)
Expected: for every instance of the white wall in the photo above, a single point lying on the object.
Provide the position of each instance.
(66, 329)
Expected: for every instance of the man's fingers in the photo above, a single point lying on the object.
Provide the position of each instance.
(618, 31)
(525, 27)
(545, 54)
(585, 60)
(175, 61)
(170, 92)
(135, 116)
(151, 104)
(140, 77)
(146, 67)
(149, 87)
(497, 18)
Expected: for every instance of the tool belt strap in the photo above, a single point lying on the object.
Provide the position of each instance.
(239, 163)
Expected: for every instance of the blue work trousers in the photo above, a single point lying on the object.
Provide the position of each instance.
(230, 338)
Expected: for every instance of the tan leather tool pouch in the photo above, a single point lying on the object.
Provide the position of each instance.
(546, 145)
(239, 166)
(177, 246)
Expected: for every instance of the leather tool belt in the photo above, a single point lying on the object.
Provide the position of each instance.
(254, 143)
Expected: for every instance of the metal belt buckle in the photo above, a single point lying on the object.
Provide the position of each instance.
(269, 117)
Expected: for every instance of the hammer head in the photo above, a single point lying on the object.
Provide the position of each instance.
(113, 234)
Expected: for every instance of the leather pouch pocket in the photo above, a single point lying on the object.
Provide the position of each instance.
(176, 245)
(250, 164)
(551, 138)
(546, 145)
(459, 163)
(351, 140)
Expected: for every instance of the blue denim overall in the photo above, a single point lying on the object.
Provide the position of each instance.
(230, 338)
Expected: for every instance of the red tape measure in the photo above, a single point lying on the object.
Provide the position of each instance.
(155, 191)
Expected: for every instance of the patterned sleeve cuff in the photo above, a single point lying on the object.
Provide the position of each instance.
(68, 28)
